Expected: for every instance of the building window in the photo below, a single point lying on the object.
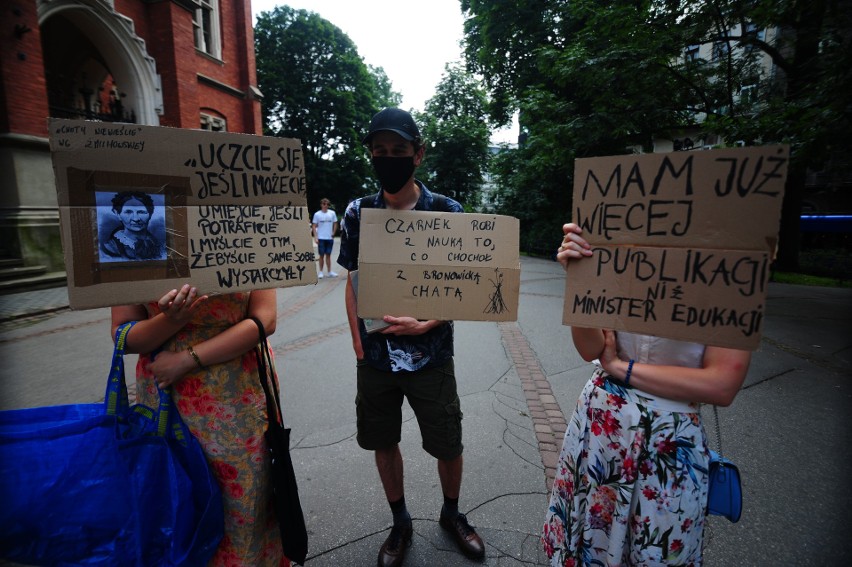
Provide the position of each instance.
(721, 50)
(750, 30)
(213, 123)
(206, 25)
(691, 53)
(748, 95)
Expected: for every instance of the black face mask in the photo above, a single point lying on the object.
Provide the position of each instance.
(393, 172)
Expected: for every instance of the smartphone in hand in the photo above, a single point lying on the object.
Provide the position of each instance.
(372, 325)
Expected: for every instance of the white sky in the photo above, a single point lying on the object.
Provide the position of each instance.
(412, 40)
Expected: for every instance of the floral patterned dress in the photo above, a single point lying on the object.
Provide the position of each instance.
(631, 481)
(225, 408)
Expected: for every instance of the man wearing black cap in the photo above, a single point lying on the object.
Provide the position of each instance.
(409, 358)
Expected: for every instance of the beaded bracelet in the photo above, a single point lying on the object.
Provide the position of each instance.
(195, 357)
(629, 370)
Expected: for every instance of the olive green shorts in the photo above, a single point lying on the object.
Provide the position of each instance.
(432, 395)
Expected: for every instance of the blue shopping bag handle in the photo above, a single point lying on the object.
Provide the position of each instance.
(115, 398)
(164, 412)
(116, 401)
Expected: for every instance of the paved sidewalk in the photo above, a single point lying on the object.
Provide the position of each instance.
(31, 303)
(788, 430)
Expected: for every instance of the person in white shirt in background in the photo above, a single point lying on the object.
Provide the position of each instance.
(323, 227)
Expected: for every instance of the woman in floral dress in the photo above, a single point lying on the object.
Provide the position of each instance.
(631, 481)
(206, 353)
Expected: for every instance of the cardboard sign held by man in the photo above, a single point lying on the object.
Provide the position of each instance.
(444, 266)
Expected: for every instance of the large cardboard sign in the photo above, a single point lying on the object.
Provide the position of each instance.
(445, 266)
(144, 209)
(682, 243)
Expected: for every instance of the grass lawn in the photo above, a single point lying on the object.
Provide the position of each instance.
(807, 279)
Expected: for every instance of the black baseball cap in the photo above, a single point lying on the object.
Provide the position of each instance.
(393, 120)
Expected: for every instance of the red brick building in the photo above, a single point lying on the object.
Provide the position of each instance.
(178, 63)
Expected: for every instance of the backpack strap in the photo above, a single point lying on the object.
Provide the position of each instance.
(440, 203)
(368, 202)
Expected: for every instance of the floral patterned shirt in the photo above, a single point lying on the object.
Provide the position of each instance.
(390, 352)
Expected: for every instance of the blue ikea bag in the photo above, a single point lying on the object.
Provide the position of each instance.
(106, 484)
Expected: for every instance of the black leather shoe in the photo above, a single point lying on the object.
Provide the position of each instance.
(465, 536)
(392, 553)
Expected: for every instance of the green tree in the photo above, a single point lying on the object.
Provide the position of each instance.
(455, 129)
(550, 61)
(385, 94)
(317, 88)
(598, 78)
(805, 101)
(534, 189)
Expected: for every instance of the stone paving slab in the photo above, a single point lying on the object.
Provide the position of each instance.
(32, 303)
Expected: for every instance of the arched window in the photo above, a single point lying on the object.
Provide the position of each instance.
(213, 123)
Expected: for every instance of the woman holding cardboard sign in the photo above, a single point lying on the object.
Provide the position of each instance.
(203, 347)
(631, 480)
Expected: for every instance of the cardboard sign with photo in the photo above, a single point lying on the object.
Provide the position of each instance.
(144, 209)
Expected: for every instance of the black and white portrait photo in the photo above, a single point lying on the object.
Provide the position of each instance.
(131, 226)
